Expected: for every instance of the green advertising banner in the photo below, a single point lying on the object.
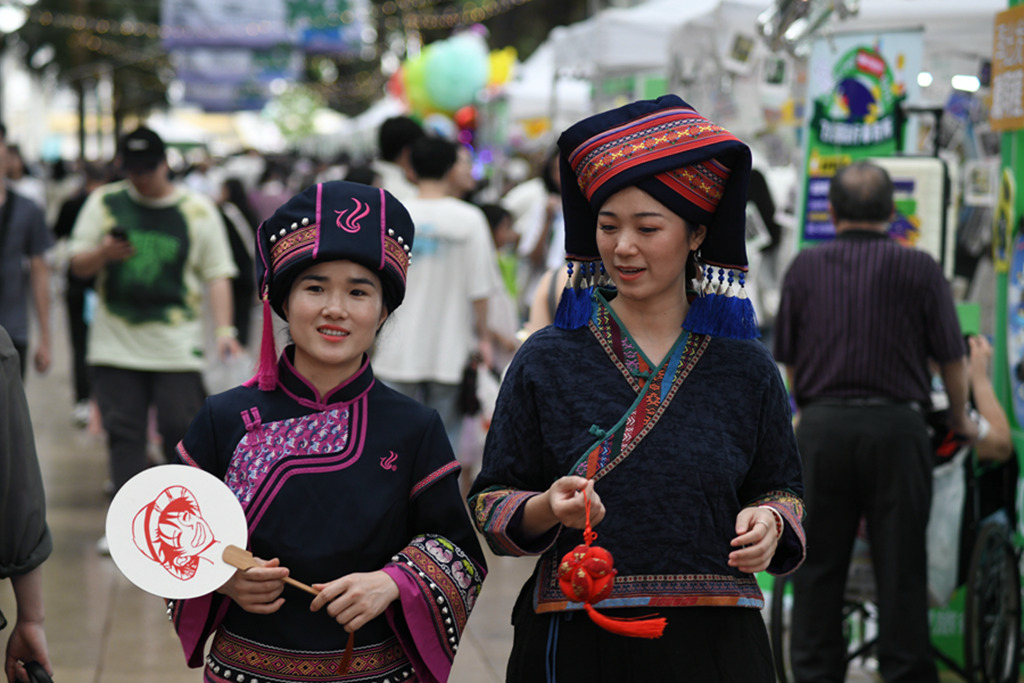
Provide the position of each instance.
(856, 83)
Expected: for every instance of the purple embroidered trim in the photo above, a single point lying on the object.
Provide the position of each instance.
(298, 463)
(453, 466)
(256, 453)
(319, 404)
(319, 198)
(383, 229)
(183, 454)
(445, 573)
(263, 257)
(251, 419)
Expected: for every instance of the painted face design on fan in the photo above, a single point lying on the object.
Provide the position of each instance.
(172, 532)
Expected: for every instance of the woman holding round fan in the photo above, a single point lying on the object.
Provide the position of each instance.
(346, 484)
(642, 446)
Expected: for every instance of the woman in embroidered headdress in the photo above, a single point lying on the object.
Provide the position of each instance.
(642, 446)
(346, 484)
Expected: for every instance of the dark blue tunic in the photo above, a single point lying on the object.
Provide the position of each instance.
(360, 480)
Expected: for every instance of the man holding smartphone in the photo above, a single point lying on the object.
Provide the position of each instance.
(153, 247)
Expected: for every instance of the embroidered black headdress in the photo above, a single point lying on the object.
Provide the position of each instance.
(695, 168)
(329, 222)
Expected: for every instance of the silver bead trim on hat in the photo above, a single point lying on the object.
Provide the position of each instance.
(284, 231)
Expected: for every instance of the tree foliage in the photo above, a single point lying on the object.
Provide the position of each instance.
(93, 37)
(116, 37)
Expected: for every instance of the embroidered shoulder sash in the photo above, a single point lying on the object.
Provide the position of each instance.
(653, 394)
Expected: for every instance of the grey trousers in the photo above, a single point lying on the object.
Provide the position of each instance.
(124, 398)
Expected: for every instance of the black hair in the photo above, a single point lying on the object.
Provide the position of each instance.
(95, 172)
(547, 174)
(433, 157)
(495, 214)
(861, 191)
(361, 174)
(240, 198)
(395, 134)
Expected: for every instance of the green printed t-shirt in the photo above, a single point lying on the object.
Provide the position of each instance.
(149, 313)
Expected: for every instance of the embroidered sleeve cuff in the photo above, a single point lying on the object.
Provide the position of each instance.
(498, 514)
(780, 526)
(792, 547)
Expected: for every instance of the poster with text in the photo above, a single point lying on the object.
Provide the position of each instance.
(856, 84)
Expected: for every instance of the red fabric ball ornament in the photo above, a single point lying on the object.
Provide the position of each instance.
(586, 574)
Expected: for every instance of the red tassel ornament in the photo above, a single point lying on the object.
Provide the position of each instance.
(587, 573)
(266, 373)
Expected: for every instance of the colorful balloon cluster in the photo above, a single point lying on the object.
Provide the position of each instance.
(442, 84)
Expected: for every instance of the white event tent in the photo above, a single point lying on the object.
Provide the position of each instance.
(645, 38)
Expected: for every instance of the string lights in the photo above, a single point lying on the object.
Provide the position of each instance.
(414, 14)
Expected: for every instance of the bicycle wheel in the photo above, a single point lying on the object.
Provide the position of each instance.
(856, 619)
(778, 631)
(992, 609)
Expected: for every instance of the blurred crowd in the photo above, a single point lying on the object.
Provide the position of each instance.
(518, 276)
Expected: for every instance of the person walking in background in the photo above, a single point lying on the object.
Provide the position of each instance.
(345, 482)
(24, 272)
(395, 139)
(76, 292)
(653, 416)
(22, 181)
(859, 318)
(502, 313)
(271, 189)
(25, 540)
(152, 246)
(541, 233)
(425, 348)
(241, 222)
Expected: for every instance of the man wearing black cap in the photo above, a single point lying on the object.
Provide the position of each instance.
(152, 245)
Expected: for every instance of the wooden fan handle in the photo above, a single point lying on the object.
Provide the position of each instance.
(301, 586)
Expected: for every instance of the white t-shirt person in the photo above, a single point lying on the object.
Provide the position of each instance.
(453, 264)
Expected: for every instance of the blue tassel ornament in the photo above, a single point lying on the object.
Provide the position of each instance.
(574, 308)
(723, 310)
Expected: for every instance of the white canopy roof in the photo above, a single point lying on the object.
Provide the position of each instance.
(639, 38)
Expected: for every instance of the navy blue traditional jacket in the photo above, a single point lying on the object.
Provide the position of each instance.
(680, 449)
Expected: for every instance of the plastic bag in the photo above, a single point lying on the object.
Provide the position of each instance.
(949, 488)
